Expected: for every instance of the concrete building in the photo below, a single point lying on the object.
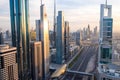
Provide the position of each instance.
(19, 15)
(66, 40)
(8, 65)
(106, 69)
(60, 38)
(36, 60)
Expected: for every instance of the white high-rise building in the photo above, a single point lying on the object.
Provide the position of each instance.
(106, 70)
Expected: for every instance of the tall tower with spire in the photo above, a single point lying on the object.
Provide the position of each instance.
(44, 38)
(54, 24)
(106, 28)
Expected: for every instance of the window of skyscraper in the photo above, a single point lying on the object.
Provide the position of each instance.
(1, 62)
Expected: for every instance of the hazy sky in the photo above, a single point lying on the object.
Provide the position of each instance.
(79, 13)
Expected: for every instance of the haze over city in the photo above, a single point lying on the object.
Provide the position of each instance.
(79, 13)
(59, 40)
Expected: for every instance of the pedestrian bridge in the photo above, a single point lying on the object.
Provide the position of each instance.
(61, 70)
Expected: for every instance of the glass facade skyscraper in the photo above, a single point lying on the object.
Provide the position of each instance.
(66, 40)
(44, 38)
(1, 38)
(106, 27)
(60, 38)
(19, 13)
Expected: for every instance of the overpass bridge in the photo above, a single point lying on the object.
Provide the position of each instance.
(63, 69)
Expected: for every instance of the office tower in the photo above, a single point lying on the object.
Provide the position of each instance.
(38, 33)
(19, 13)
(66, 40)
(7, 34)
(8, 65)
(36, 59)
(51, 35)
(81, 35)
(106, 69)
(1, 38)
(88, 32)
(45, 42)
(106, 27)
(54, 24)
(84, 34)
(95, 31)
(60, 38)
(78, 37)
(33, 35)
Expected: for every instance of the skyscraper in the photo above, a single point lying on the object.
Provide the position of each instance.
(106, 26)
(88, 32)
(1, 38)
(36, 59)
(60, 38)
(78, 37)
(106, 69)
(66, 41)
(44, 29)
(38, 31)
(55, 25)
(95, 31)
(19, 13)
(8, 65)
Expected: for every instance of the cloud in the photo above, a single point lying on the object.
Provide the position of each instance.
(78, 13)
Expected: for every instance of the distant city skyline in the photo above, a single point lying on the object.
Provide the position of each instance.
(78, 13)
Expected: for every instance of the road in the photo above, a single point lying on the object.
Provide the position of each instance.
(81, 63)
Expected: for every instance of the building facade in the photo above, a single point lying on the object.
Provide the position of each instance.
(36, 60)
(78, 37)
(19, 15)
(1, 38)
(38, 33)
(44, 30)
(106, 27)
(8, 65)
(66, 40)
(60, 38)
(106, 69)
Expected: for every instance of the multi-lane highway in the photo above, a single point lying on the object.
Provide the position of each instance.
(81, 63)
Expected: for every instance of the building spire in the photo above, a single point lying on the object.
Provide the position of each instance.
(106, 3)
(54, 23)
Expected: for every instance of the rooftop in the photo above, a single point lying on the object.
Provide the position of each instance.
(6, 48)
(110, 70)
